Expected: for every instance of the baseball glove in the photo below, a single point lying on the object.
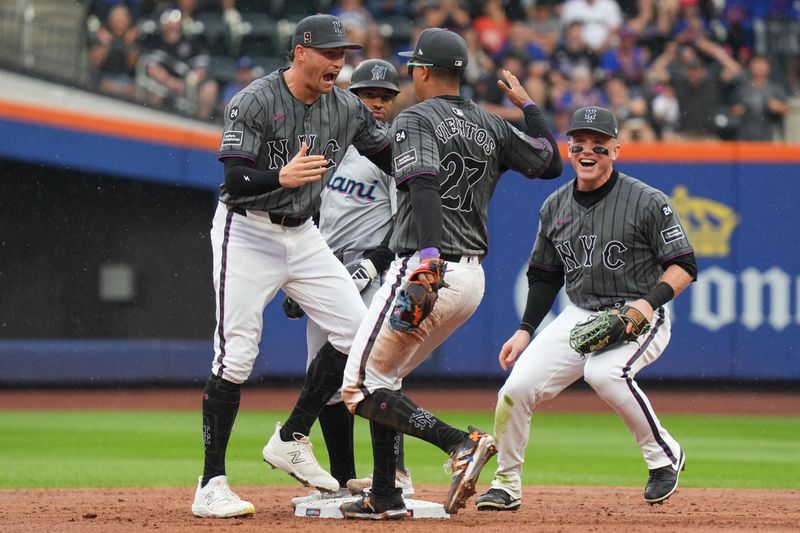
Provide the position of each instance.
(607, 329)
(292, 309)
(416, 298)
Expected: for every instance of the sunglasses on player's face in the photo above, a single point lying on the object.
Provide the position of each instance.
(412, 64)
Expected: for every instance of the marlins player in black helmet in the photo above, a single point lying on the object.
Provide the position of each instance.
(449, 154)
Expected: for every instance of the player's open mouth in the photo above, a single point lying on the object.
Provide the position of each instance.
(330, 77)
(588, 163)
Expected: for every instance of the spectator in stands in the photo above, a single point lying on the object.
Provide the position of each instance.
(102, 8)
(760, 104)
(113, 53)
(246, 72)
(666, 112)
(353, 14)
(600, 19)
(479, 63)
(630, 108)
(627, 60)
(173, 72)
(519, 43)
(492, 26)
(582, 92)
(698, 88)
(573, 52)
(451, 14)
(545, 28)
(493, 99)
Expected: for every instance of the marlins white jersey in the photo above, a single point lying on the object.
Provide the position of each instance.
(357, 206)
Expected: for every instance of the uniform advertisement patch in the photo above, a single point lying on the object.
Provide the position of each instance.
(405, 159)
(672, 234)
(232, 138)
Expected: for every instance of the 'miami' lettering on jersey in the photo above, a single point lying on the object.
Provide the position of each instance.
(612, 253)
(353, 187)
(450, 127)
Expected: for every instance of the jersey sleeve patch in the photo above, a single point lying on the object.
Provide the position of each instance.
(405, 159)
(672, 234)
(232, 138)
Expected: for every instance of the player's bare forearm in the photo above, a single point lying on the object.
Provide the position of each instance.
(677, 278)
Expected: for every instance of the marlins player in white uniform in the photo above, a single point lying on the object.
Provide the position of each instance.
(355, 219)
(615, 240)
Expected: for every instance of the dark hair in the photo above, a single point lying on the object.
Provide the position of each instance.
(447, 74)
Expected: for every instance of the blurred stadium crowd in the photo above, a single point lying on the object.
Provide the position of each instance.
(670, 69)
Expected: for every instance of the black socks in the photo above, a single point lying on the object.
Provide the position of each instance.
(398, 412)
(323, 378)
(220, 405)
(337, 428)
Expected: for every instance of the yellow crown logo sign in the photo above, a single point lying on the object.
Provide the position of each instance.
(709, 224)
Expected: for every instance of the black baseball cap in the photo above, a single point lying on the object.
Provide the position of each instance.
(443, 48)
(374, 73)
(593, 118)
(321, 31)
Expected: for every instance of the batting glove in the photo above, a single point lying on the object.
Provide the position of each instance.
(362, 272)
(292, 309)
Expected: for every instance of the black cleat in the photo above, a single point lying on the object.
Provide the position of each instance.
(497, 500)
(369, 507)
(663, 482)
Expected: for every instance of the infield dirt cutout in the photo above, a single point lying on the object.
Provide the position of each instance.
(544, 508)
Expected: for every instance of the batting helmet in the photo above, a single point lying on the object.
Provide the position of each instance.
(374, 73)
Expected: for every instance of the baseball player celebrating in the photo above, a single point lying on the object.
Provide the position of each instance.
(358, 206)
(616, 241)
(284, 136)
(449, 154)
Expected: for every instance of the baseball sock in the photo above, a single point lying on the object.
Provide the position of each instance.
(337, 429)
(401, 452)
(398, 412)
(220, 405)
(384, 457)
(323, 378)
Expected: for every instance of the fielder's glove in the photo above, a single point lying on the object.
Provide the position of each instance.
(362, 272)
(416, 298)
(607, 329)
(292, 309)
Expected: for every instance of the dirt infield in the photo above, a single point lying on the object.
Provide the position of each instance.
(544, 509)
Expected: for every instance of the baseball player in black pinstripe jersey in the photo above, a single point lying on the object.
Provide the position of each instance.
(615, 240)
(283, 136)
(448, 154)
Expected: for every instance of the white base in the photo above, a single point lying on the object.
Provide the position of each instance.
(330, 508)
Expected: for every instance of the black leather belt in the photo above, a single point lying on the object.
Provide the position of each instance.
(445, 257)
(283, 220)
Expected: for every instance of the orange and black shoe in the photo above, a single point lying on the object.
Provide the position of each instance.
(465, 465)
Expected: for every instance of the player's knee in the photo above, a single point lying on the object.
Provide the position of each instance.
(598, 377)
(515, 394)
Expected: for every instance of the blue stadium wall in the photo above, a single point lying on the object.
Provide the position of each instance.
(739, 322)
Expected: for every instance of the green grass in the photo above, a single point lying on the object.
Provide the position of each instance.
(124, 449)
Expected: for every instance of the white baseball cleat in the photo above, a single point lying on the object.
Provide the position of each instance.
(217, 500)
(296, 459)
(402, 479)
(317, 496)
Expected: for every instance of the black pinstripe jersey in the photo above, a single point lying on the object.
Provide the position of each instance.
(612, 250)
(264, 122)
(468, 149)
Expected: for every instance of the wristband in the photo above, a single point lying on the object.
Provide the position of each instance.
(527, 102)
(660, 295)
(431, 252)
